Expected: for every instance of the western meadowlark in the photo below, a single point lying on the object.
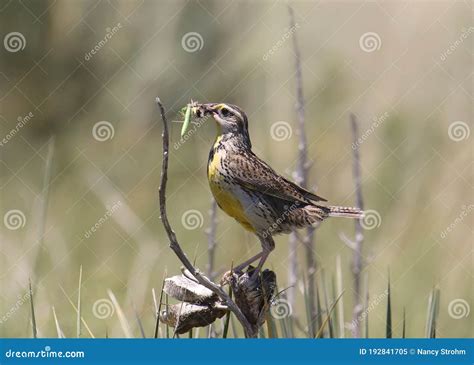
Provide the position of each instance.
(249, 190)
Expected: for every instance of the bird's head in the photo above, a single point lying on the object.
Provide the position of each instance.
(230, 118)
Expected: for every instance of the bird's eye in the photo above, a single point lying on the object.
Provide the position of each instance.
(225, 112)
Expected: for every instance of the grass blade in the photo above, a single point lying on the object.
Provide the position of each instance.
(388, 327)
(33, 317)
(75, 308)
(326, 304)
(321, 329)
(404, 324)
(79, 316)
(121, 316)
(367, 305)
(340, 305)
(59, 331)
(158, 307)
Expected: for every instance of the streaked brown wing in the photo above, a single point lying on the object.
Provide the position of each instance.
(255, 174)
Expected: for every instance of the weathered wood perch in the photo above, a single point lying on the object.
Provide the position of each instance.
(200, 307)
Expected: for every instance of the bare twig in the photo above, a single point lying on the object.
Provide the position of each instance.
(301, 177)
(359, 237)
(211, 240)
(250, 331)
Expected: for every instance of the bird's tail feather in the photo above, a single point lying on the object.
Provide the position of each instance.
(346, 212)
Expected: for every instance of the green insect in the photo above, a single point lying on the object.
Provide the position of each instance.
(187, 118)
(187, 112)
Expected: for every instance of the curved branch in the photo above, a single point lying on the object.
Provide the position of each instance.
(249, 330)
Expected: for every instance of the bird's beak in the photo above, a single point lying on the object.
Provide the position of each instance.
(203, 110)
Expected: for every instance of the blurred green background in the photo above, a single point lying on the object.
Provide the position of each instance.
(87, 73)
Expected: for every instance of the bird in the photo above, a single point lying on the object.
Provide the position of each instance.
(251, 191)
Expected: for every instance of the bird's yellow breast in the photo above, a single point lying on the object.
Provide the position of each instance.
(224, 193)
